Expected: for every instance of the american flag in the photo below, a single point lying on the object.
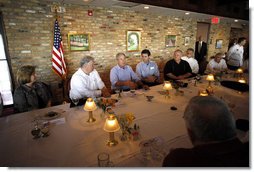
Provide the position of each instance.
(58, 64)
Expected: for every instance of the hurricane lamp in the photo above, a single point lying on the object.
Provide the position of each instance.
(203, 93)
(239, 72)
(210, 79)
(111, 125)
(242, 80)
(167, 86)
(90, 106)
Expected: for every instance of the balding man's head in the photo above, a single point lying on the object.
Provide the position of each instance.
(209, 119)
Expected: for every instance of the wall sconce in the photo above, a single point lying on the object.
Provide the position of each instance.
(167, 86)
(111, 125)
(90, 106)
(209, 88)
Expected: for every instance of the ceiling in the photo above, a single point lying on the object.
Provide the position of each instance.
(159, 10)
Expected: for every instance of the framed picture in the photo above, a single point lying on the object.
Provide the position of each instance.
(79, 42)
(186, 40)
(133, 40)
(218, 44)
(170, 41)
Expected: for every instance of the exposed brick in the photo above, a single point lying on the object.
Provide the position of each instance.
(34, 46)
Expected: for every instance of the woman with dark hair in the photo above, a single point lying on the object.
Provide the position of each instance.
(30, 94)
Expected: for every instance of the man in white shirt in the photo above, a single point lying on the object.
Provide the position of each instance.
(235, 54)
(86, 82)
(217, 64)
(190, 59)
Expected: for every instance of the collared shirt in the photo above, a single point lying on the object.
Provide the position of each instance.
(235, 55)
(118, 73)
(144, 70)
(176, 69)
(213, 65)
(193, 63)
(84, 85)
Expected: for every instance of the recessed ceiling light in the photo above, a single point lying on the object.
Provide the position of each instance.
(85, 0)
(187, 13)
(236, 20)
(146, 7)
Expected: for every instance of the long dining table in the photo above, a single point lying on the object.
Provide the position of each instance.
(72, 142)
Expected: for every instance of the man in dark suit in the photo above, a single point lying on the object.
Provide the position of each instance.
(211, 128)
(200, 53)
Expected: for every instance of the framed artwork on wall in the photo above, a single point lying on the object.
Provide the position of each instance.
(170, 41)
(133, 40)
(79, 42)
(186, 40)
(218, 44)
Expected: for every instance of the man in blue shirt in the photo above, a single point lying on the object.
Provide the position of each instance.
(123, 77)
(148, 70)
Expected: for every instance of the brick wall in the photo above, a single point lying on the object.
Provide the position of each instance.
(29, 28)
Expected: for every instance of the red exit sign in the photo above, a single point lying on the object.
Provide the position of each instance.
(215, 20)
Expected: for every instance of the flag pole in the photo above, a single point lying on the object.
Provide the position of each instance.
(63, 77)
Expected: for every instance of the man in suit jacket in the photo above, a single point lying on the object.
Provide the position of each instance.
(200, 53)
(211, 129)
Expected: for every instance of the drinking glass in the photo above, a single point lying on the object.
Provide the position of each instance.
(118, 92)
(103, 159)
(75, 101)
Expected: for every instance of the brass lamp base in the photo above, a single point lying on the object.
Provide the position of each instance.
(210, 89)
(91, 118)
(167, 96)
(112, 142)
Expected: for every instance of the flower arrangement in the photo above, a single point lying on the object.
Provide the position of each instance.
(125, 121)
(106, 103)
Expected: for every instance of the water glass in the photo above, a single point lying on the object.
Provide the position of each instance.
(118, 92)
(103, 159)
(75, 101)
(133, 92)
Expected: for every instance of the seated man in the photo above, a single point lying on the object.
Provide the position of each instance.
(123, 77)
(191, 60)
(211, 129)
(86, 82)
(217, 64)
(148, 70)
(177, 69)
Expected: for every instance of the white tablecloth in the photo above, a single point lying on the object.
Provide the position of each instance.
(76, 143)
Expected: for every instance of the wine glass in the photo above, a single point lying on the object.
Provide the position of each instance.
(118, 92)
(75, 101)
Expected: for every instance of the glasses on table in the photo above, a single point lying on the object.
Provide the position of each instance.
(75, 101)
